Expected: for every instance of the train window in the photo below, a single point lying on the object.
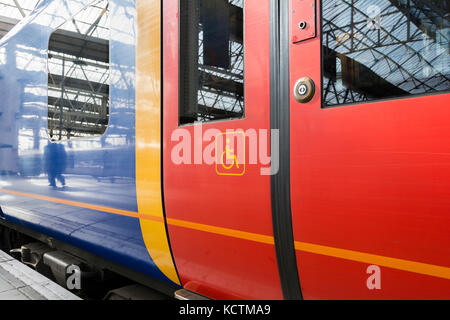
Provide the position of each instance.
(384, 49)
(78, 75)
(211, 60)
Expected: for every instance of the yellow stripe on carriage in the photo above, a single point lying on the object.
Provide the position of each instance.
(148, 135)
(345, 254)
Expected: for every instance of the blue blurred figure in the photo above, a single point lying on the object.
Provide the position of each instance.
(55, 163)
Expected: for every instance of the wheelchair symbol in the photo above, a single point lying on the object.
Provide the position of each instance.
(229, 153)
(228, 164)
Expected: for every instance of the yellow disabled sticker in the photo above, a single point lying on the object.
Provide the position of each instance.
(230, 153)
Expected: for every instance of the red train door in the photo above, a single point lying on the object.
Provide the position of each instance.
(217, 91)
(369, 154)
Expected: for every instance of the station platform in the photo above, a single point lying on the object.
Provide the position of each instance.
(19, 282)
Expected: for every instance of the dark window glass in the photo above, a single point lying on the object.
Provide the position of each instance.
(78, 75)
(381, 49)
(211, 60)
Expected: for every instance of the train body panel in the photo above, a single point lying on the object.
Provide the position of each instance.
(204, 207)
(369, 188)
(97, 210)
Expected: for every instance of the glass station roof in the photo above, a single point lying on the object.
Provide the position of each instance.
(78, 73)
(17, 9)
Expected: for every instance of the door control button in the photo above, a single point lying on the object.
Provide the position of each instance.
(304, 90)
(302, 25)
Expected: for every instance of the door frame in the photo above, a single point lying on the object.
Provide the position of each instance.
(280, 120)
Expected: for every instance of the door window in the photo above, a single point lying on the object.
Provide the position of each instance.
(78, 75)
(384, 49)
(211, 60)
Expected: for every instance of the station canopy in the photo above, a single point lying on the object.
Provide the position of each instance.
(12, 11)
(78, 68)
